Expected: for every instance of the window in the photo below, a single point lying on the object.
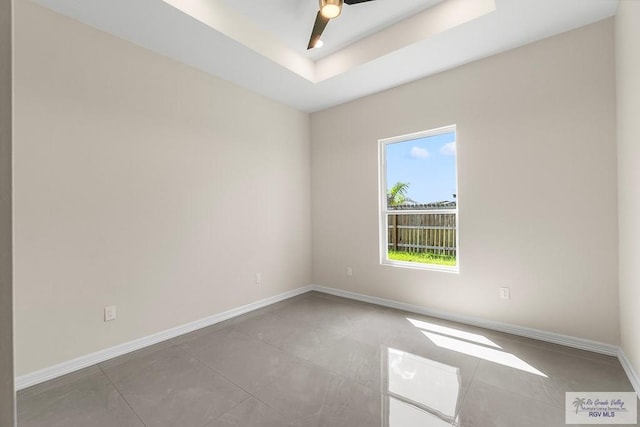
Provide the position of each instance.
(419, 200)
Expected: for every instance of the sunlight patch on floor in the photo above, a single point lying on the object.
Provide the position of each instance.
(480, 339)
(490, 354)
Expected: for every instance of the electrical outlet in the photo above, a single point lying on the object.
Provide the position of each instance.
(505, 293)
(349, 271)
(258, 278)
(110, 313)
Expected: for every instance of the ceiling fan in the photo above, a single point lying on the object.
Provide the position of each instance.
(329, 9)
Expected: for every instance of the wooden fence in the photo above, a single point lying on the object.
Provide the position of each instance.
(433, 232)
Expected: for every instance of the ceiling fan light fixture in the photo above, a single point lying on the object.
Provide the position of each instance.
(330, 8)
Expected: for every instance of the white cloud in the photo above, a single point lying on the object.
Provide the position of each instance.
(419, 153)
(449, 149)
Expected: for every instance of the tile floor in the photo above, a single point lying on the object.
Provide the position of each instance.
(323, 361)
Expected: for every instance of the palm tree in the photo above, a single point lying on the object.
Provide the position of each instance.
(578, 403)
(397, 195)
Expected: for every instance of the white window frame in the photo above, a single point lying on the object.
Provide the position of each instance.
(384, 212)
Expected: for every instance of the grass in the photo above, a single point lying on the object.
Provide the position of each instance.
(423, 257)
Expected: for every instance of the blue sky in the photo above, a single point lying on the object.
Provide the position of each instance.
(427, 164)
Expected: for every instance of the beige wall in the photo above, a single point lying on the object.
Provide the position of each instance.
(537, 187)
(6, 299)
(628, 90)
(146, 184)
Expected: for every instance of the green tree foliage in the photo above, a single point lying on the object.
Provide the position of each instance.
(397, 195)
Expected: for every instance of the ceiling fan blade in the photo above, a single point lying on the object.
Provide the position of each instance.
(356, 1)
(318, 28)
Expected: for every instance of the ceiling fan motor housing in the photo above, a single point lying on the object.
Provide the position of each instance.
(330, 8)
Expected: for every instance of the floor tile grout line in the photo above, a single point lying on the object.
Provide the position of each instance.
(284, 318)
(338, 334)
(250, 395)
(217, 372)
(311, 361)
(340, 300)
(283, 416)
(229, 410)
(519, 394)
(214, 370)
(121, 394)
(466, 391)
(298, 359)
(236, 329)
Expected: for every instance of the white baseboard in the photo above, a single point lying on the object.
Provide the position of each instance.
(580, 343)
(58, 370)
(81, 362)
(631, 373)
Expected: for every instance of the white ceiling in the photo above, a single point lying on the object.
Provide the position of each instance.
(261, 45)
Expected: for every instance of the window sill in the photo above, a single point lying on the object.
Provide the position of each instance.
(421, 266)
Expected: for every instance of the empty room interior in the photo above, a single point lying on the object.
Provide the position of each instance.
(392, 213)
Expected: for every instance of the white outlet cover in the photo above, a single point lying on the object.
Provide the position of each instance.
(110, 313)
